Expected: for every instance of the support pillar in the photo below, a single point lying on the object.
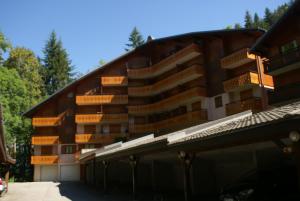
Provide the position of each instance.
(187, 159)
(105, 166)
(133, 160)
(94, 172)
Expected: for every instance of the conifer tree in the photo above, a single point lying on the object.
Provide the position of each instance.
(57, 66)
(256, 21)
(135, 39)
(268, 18)
(248, 20)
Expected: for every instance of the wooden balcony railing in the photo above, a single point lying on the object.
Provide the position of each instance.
(44, 160)
(283, 62)
(46, 121)
(237, 59)
(44, 140)
(96, 138)
(170, 82)
(189, 96)
(181, 120)
(114, 81)
(101, 99)
(100, 118)
(166, 64)
(253, 104)
(240, 82)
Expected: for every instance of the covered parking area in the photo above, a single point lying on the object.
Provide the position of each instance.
(252, 151)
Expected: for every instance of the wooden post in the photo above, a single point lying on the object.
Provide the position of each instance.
(261, 79)
(94, 172)
(105, 166)
(187, 159)
(133, 163)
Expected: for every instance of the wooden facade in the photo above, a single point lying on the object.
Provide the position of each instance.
(165, 85)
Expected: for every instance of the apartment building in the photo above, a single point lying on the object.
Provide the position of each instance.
(163, 86)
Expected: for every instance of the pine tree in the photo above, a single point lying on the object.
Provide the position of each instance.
(248, 20)
(58, 68)
(135, 39)
(268, 18)
(256, 21)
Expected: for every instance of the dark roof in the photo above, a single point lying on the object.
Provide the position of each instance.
(255, 120)
(3, 153)
(211, 130)
(220, 32)
(290, 14)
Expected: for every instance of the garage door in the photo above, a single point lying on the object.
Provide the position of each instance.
(69, 173)
(49, 173)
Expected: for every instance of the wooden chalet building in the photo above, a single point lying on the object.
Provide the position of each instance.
(165, 85)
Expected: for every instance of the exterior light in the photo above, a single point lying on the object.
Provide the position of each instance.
(294, 136)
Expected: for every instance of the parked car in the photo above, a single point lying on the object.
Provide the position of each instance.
(3, 186)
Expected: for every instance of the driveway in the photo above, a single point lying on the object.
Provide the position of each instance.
(50, 191)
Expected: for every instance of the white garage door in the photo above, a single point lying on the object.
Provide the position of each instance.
(49, 173)
(69, 173)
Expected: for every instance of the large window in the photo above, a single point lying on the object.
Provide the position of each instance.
(289, 47)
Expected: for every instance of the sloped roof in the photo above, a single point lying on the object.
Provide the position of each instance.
(291, 13)
(220, 32)
(213, 129)
(255, 120)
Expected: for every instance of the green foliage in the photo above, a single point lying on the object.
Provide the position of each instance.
(29, 68)
(265, 22)
(135, 39)
(4, 45)
(57, 66)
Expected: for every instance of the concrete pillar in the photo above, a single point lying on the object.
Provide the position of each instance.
(133, 160)
(186, 159)
(105, 167)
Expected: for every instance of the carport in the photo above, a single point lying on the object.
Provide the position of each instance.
(203, 160)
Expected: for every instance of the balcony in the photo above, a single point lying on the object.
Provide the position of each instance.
(253, 104)
(284, 63)
(241, 82)
(111, 81)
(101, 118)
(44, 140)
(166, 64)
(44, 160)
(237, 59)
(189, 96)
(171, 123)
(96, 138)
(101, 99)
(191, 73)
(46, 121)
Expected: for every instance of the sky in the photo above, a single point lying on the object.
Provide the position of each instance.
(94, 30)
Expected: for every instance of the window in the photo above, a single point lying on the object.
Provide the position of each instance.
(289, 46)
(69, 149)
(218, 102)
(89, 146)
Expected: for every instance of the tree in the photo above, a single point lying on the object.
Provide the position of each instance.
(57, 66)
(135, 39)
(237, 26)
(268, 18)
(28, 66)
(256, 21)
(248, 20)
(4, 45)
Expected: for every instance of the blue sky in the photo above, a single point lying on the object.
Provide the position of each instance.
(98, 29)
